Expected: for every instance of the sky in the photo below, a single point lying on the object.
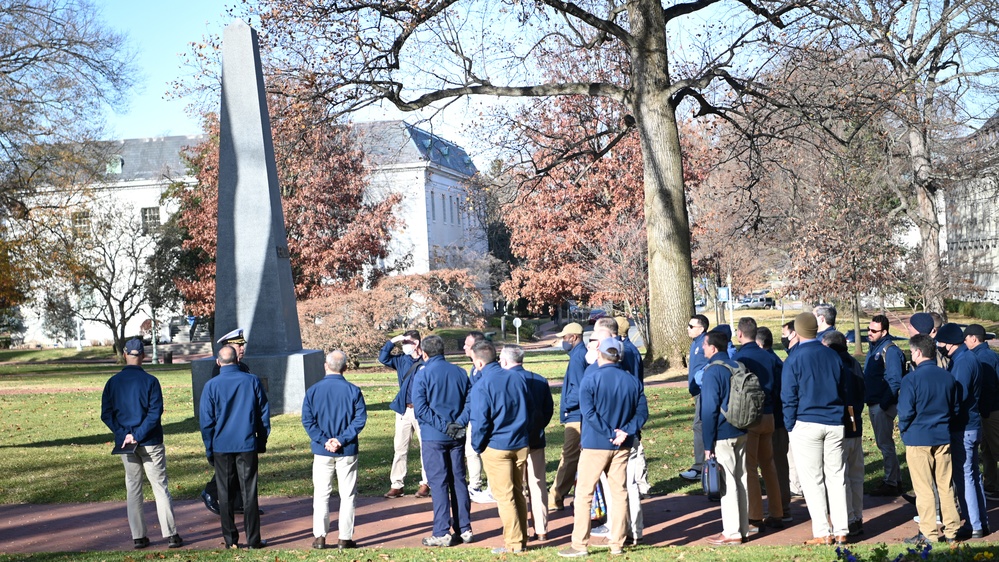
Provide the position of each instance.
(159, 32)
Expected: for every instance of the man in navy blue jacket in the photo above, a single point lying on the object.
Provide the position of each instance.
(697, 326)
(759, 441)
(724, 441)
(613, 409)
(440, 392)
(512, 359)
(473, 464)
(235, 424)
(406, 426)
(765, 339)
(928, 403)
(966, 434)
(813, 389)
(883, 370)
(572, 343)
(132, 408)
(333, 414)
(974, 340)
(501, 417)
(853, 424)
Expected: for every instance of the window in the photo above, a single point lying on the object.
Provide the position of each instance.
(150, 219)
(115, 165)
(433, 207)
(443, 209)
(81, 223)
(451, 205)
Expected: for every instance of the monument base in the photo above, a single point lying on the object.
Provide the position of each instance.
(285, 377)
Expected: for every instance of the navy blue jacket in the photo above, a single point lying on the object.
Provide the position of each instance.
(611, 398)
(501, 411)
(402, 364)
(334, 409)
(966, 369)
(544, 405)
(928, 404)
(813, 386)
(883, 370)
(762, 364)
(631, 361)
(235, 415)
(133, 403)
(778, 405)
(855, 393)
(474, 376)
(568, 408)
(715, 387)
(695, 362)
(989, 364)
(440, 390)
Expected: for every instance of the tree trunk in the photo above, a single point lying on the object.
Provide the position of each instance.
(671, 296)
(858, 344)
(934, 285)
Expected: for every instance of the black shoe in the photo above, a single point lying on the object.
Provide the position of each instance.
(856, 529)
(176, 541)
(773, 523)
(261, 544)
(920, 540)
(345, 543)
(964, 533)
(886, 490)
(212, 504)
(319, 543)
(140, 543)
(981, 533)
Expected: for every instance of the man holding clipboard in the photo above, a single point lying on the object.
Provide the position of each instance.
(131, 407)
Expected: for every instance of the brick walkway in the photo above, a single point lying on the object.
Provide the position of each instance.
(287, 523)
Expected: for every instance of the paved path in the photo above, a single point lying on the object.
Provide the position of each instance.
(287, 524)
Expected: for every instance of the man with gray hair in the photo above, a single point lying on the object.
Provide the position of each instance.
(333, 414)
(825, 317)
(512, 359)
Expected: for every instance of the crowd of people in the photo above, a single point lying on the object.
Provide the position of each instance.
(808, 440)
(805, 440)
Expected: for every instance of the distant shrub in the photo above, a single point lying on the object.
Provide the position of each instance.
(981, 310)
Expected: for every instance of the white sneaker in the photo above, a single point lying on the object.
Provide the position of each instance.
(601, 531)
(484, 496)
(916, 519)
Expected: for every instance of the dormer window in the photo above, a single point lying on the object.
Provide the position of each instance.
(115, 166)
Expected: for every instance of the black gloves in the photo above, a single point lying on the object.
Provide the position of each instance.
(455, 431)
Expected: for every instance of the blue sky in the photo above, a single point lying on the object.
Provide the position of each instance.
(159, 32)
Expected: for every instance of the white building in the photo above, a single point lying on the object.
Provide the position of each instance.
(428, 171)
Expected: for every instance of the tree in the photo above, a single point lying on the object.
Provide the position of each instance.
(60, 68)
(416, 54)
(337, 230)
(104, 265)
(936, 64)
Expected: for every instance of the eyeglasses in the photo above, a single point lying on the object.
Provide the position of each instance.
(692, 326)
(869, 331)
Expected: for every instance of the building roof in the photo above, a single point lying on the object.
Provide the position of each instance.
(154, 158)
(386, 143)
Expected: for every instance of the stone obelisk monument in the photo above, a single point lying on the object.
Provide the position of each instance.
(253, 283)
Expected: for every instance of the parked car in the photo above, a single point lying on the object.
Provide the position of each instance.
(757, 303)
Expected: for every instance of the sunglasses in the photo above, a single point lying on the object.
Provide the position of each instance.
(693, 326)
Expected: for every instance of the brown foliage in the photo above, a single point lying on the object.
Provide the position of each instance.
(336, 234)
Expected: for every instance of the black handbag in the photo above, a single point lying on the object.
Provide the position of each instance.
(712, 480)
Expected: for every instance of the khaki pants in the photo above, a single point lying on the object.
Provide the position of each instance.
(473, 464)
(760, 458)
(818, 456)
(538, 489)
(591, 463)
(853, 456)
(929, 466)
(406, 427)
(323, 470)
(731, 456)
(567, 465)
(505, 470)
(151, 460)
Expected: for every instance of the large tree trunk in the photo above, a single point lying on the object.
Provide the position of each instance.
(671, 297)
(934, 284)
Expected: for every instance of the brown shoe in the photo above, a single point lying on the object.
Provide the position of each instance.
(721, 540)
(423, 492)
(394, 493)
(819, 541)
(840, 539)
(319, 543)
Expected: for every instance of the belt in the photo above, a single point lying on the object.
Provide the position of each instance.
(410, 405)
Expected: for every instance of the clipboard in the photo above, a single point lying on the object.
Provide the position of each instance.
(125, 449)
